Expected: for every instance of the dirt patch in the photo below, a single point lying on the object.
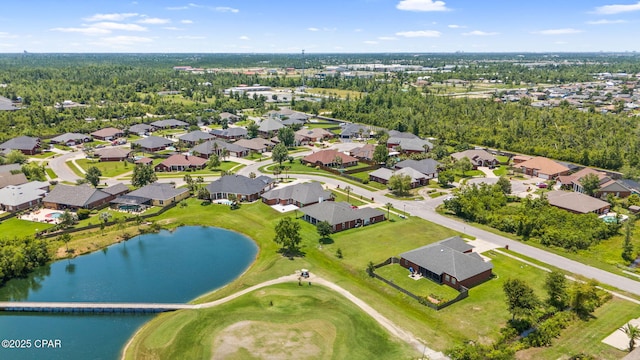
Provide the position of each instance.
(312, 339)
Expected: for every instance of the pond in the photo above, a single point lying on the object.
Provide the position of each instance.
(168, 267)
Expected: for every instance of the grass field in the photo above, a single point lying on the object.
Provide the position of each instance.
(501, 171)
(108, 168)
(478, 317)
(285, 321)
(421, 287)
(15, 227)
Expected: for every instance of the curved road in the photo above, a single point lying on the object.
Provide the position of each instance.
(426, 210)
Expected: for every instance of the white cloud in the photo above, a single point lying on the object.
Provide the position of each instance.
(313, 29)
(186, 21)
(111, 17)
(616, 9)
(226, 9)
(419, 33)
(566, 31)
(118, 26)
(479, 33)
(560, 42)
(84, 30)
(357, 30)
(191, 37)
(243, 37)
(6, 35)
(126, 40)
(606, 22)
(454, 26)
(172, 28)
(387, 38)
(154, 21)
(422, 5)
(370, 42)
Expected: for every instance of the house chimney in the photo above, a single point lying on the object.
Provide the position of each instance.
(186, 157)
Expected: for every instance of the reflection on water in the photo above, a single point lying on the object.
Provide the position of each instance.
(162, 268)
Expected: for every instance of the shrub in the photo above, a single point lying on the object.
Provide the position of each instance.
(83, 214)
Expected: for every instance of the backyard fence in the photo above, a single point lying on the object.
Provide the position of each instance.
(463, 292)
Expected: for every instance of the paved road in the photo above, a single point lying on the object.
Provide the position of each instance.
(426, 210)
(59, 166)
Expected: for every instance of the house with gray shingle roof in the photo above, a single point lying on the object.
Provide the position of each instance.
(408, 145)
(350, 130)
(208, 148)
(244, 188)
(428, 167)
(8, 178)
(70, 139)
(25, 196)
(169, 124)
(269, 126)
(25, 144)
(300, 195)
(195, 137)
(141, 129)
(229, 117)
(76, 197)
(161, 194)
(382, 175)
(153, 143)
(478, 157)
(256, 144)
(341, 215)
(7, 104)
(451, 262)
(232, 133)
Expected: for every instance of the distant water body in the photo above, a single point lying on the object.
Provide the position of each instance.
(168, 267)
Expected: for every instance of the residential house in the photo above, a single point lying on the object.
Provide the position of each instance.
(161, 194)
(25, 196)
(169, 124)
(8, 178)
(269, 127)
(232, 133)
(408, 143)
(107, 134)
(141, 129)
(364, 152)
(180, 162)
(116, 190)
(350, 130)
(383, 175)
(229, 117)
(113, 154)
(478, 157)
(25, 144)
(258, 145)
(144, 161)
(244, 188)
(428, 167)
(300, 195)
(542, 167)
(329, 158)
(451, 262)
(577, 203)
(70, 139)
(285, 114)
(75, 197)
(518, 159)
(153, 143)
(7, 104)
(208, 148)
(195, 137)
(341, 215)
(315, 134)
(606, 185)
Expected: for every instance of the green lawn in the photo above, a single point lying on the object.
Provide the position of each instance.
(340, 195)
(478, 317)
(502, 159)
(316, 323)
(108, 168)
(501, 170)
(43, 155)
(74, 168)
(15, 227)
(421, 287)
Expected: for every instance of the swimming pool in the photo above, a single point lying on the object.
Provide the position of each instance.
(53, 215)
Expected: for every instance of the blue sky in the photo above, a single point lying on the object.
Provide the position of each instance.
(288, 26)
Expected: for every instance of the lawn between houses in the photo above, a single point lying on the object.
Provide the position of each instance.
(478, 317)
